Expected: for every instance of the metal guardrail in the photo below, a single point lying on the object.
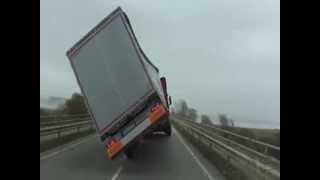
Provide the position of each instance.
(61, 122)
(266, 147)
(63, 126)
(65, 115)
(52, 118)
(252, 163)
(263, 157)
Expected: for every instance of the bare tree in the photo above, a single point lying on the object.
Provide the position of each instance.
(181, 108)
(225, 121)
(74, 105)
(193, 115)
(44, 112)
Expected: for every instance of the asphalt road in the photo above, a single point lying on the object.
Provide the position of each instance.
(158, 157)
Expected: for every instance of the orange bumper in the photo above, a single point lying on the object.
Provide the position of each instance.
(155, 116)
(159, 112)
(114, 149)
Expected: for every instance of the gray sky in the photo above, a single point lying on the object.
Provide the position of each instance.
(219, 55)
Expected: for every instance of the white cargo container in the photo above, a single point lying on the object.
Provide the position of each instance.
(124, 93)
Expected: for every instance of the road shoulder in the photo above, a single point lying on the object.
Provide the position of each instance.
(65, 147)
(212, 170)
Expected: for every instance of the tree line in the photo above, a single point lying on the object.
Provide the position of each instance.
(72, 106)
(76, 105)
(182, 109)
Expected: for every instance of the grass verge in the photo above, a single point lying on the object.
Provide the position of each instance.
(223, 166)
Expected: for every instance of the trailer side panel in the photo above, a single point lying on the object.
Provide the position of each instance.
(110, 73)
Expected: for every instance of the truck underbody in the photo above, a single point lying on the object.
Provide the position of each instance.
(153, 117)
(128, 143)
(163, 126)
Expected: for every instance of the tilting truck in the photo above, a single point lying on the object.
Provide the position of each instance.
(124, 93)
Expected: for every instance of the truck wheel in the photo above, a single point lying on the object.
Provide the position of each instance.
(130, 151)
(167, 128)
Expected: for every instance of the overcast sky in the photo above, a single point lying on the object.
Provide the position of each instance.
(221, 56)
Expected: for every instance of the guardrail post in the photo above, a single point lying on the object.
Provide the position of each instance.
(55, 117)
(266, 150)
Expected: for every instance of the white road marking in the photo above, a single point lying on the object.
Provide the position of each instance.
(65, 149)
(193, 155)
(115, 176)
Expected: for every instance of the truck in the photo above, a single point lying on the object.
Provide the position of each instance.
(124, 93)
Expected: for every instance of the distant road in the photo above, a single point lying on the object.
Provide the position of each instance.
(158, 157)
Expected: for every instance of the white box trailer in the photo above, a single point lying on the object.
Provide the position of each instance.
(124, 94)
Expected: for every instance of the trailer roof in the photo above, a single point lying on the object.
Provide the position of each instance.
(118, 11)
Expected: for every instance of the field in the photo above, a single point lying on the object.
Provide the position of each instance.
(271, 136)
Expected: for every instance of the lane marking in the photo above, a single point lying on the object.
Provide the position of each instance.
(192, 154)
(115, 176)
(65, 149)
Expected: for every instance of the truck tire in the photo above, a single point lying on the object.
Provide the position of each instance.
(130, 151)
(167, 128)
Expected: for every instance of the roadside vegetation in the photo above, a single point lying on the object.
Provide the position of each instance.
(270, 136)
(74, 105)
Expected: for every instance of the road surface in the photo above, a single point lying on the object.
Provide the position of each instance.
(158, 157)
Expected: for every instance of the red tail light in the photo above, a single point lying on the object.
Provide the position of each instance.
(110, 143)
(155, 107)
